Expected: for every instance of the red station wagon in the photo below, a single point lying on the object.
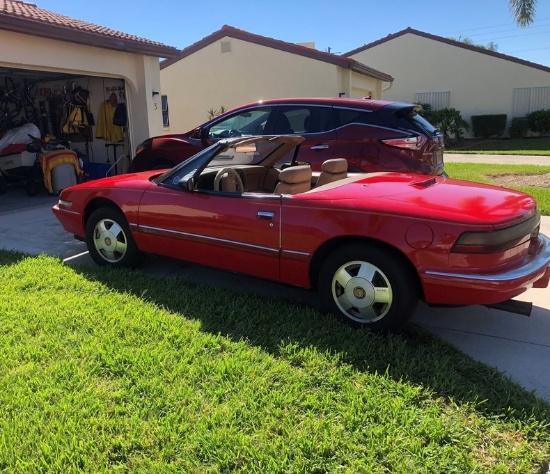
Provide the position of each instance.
(372, 135)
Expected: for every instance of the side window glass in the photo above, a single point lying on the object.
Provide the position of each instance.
(248, 122)
(347, 116)
(302, 119)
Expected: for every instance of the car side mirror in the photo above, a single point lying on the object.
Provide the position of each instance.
(187, 183)
(197, 133)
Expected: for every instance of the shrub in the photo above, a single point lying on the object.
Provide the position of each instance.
(451, 125)
(489, 125)
(425, 110)
(539, 121)
(519, 127)
(215, 112)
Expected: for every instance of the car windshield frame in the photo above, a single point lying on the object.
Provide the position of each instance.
(195, 165)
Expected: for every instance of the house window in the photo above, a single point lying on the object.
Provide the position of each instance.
(165, 116)
(530, 99)
(438, 100)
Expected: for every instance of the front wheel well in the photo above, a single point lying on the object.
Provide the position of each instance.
(328, 247)
(162, 162)
(96, 204)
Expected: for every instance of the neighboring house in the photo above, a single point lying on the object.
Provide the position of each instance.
(51, 54)
(447, 73)
(232, 67)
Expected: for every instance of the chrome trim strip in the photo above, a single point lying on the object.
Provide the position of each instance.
(542, 260)
(295, 252)
(63, 209)
(158, 231)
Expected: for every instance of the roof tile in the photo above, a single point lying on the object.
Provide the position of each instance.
(18, 10)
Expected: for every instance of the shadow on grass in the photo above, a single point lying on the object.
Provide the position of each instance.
(415, 356)
(11, 257)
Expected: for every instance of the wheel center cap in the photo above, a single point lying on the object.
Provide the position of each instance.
(107, 241)
(359, 293)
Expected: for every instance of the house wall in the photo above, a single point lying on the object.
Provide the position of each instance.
(139, 74)
(478, 83)
(209, 79)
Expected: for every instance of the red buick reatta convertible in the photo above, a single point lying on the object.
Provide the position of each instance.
(371, 244)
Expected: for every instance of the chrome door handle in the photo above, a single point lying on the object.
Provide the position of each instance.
(319, 147)
(266, 215)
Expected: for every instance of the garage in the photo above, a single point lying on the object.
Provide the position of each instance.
(65, 79)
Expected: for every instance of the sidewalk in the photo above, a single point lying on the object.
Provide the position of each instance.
(497, 159)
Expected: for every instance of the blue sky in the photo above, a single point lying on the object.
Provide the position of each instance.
(340, 26)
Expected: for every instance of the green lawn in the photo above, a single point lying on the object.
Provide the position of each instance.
(522, 146)
(119, 371)
(480, 172)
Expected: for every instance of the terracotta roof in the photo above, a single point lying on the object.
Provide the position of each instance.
(458, 44)
(229, 31)
(26, 18)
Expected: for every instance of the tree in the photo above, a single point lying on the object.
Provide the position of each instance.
(523, 11)
(491, 46)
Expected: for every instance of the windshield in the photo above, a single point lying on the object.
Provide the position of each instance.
(195, 158)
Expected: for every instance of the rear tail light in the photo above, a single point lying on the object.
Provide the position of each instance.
(410, 143)
(498, 240)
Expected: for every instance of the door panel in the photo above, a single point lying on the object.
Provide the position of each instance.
(240, 233)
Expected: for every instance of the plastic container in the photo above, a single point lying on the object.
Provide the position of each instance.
(96, 170)
(63, 176)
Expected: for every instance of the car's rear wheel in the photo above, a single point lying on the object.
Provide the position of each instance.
(368, 287)
(109, 239)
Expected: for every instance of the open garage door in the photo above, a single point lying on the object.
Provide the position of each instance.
(78, 111)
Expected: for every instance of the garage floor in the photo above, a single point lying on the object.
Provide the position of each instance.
(16, 198)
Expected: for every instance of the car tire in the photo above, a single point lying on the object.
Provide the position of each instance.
(368, 286)
(109, 239)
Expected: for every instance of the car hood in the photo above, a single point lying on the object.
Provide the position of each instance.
(123, 181)
(429, 197)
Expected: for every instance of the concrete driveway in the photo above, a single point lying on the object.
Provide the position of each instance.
(518, 346)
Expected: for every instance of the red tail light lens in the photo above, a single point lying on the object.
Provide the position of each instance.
(410, 143)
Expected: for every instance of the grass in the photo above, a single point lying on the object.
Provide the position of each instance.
(481, 172)
(521, 146)
(119, 371)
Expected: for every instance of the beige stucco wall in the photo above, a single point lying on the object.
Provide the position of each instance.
(209, 79)
(478, 83)
(140, 74)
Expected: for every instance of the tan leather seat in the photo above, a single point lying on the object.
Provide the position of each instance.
(294, 180)
(333, 170)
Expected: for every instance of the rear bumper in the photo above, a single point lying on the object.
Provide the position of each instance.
(486, 288)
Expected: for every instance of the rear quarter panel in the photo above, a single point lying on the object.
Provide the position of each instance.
(310, 229)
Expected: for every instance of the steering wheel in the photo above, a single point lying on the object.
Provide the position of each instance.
(231, 173)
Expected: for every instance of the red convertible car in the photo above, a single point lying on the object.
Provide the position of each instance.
(372, 245)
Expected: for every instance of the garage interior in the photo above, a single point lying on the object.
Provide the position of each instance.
(74, 111)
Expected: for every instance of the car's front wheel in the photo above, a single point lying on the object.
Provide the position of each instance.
(109, 239)
(368, 286)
